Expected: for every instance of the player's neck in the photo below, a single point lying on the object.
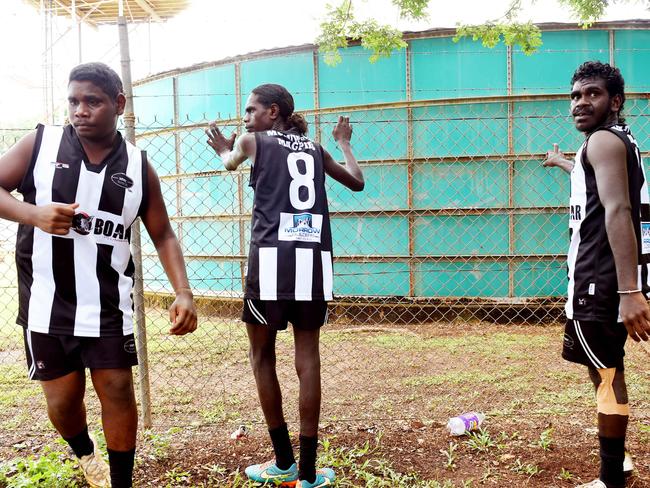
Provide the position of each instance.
(98, 149)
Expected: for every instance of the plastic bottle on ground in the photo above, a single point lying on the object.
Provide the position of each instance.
(465, 423)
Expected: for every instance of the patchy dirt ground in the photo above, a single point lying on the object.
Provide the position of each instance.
(387, 395)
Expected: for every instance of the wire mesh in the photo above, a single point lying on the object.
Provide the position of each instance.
(459, 224)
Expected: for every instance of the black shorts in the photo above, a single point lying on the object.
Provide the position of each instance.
(276, 314)
(597, 344)
(52, 356)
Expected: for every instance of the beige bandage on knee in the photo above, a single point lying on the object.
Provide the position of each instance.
(605, 396)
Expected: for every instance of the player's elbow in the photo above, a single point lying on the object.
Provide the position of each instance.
(358, 185)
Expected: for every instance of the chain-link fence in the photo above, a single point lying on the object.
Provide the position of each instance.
(459, 224)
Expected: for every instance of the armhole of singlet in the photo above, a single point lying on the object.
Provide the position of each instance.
(40, 128)
(585, 158)
(255, 164)
(145, 184)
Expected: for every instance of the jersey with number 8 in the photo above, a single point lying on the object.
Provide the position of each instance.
(290, 255)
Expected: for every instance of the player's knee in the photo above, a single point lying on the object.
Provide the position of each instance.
(307, 364)
(611, 394)
(261, 359)
(62, 405)
(116, 389)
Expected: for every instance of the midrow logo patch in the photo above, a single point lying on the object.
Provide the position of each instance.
(122, 180)
(84, 224)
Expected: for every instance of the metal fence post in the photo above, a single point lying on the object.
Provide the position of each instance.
(138, 288)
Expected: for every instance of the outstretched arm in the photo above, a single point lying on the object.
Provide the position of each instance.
(53, 218)
(556, 158)
(233, 152)
(349, 174)
(608, 156)
(182, 313)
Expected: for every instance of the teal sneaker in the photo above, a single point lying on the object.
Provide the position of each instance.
(324, 477)
(268, 472)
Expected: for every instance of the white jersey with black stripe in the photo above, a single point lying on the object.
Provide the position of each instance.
(592, 276)
(290, 255)
(80, 284)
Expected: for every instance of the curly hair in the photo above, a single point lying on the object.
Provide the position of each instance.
(98, 74)
(614, 82)
(271, 93)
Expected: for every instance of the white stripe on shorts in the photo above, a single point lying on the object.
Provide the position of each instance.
(304, 273)
(590, 354)
(268, 273)
(32, 368)
(256, 312)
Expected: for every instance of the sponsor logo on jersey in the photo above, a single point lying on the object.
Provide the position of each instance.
(60, 165)
(40, 364)
(303, 227)
(84, 224)
(122, 180)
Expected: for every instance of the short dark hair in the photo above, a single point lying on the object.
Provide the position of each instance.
(610, 74)
(98, 74)
(270, 93)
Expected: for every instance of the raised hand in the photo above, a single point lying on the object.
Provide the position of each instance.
(557, 158)
(55, 218)
(343, 130)
(217, 141)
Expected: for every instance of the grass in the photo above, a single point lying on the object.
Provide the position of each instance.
(51, 469)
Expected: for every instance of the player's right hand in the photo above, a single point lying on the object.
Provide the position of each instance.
(343, 130)
(636, 316)
(55, 218)
(554, 157)
(217, 141)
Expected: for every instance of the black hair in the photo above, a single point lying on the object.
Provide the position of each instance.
(611, 75)
(271, 93)
(100, 75)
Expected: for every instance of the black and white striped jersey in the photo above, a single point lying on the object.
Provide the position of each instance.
(80, 284)
(591, 268)
(290, 254)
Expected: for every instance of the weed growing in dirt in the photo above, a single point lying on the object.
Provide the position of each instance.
(546, 439)
(480, 441)
(356, 467)
(528, 469)
(450, 455)
(52, 469)
(158, 444)
(565, 475)
(175, 477)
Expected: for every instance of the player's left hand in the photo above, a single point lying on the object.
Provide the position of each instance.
(636, 316)
(343, 130)
(182, 314)
(217, 141)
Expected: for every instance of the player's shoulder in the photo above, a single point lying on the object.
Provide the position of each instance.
(606, 136)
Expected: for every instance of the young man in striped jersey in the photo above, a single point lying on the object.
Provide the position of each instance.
(609, 253)
(289, 276)
(83, 186)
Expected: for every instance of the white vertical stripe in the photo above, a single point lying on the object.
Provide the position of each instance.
(592, 357)
(256, 312)
(87, 313)
(133, 195)
(32, 368)
(42, 290)
(326, 261)
(578, 198)
(268, 273)
(304, 273)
